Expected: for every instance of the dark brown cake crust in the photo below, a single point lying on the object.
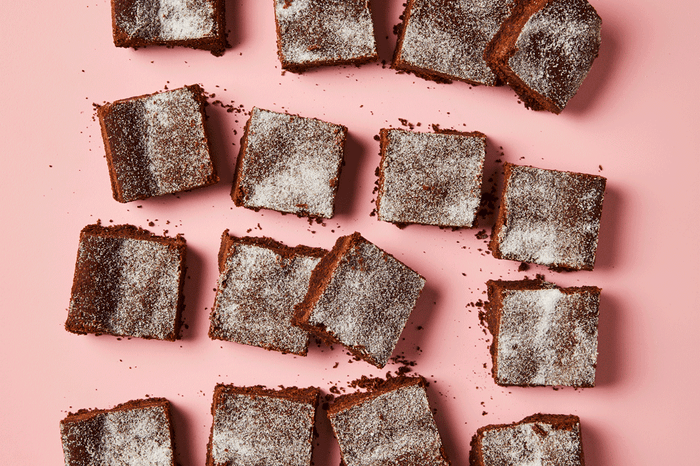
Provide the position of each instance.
(344, 402)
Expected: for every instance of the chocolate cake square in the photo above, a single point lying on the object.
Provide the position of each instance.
(289, 164)
(255, 425)
(390, 424)
(545, 50)
(543, 335)
(542, 439)
(324, 32)
(198, 24)
(360, 297)
(260, 282)
(134, 433)
(548, 217)
(430, 178)
(128, 282)
(445, 39)
(157, 144)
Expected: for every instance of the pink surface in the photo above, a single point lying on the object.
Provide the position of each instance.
(635, 116)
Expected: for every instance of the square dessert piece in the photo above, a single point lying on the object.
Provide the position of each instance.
(548, 217)
(135, 433)
(389, 425)
(260, 282)
(157, 144)
(128, 282)
(430, 178)
(360, 297)
(543, 334)
(545, 50)
(324, 32)
(198, 24)
(446, 39)
(289, 164)
(540, 439)
(255, 426)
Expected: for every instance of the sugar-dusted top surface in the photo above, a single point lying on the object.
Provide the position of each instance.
(431, 178)
(551, 217)
(133, 437)
(128, 287)
(291, 163)
(167, 20)
(324, 30)
(368, 301)
(158, 144)
(253, 430)
(396, 427)
(449, 36)
(256, 295)
(534, 443)
(547, 337)
(556, 48)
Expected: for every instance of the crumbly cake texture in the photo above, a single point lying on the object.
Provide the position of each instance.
(157, 144)
(548, 217)
(391, 424)
(128, 282)
(255, 425)
(138, 432)
(541, 439)
(430, 178)
(324, 32)
(198, 24)
(545, 50)
(260, 282)
(361, 297)
(446, 39)
(289, 164)
(543, 335)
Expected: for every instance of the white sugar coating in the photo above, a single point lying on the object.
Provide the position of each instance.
(324, 30)
(368, 300)
(532, 444)
(449, 37)
(169, 20)
(552, 217)
(393, 427)
(434, 179)
(256, 295)
(253, 430)
(556, 48)
(291, 163)
(133, 437)
(547, 337)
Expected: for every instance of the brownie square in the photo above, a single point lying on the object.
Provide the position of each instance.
(324, 32)
(543, 439)
(430, 178)
(390, 424)
(260, 282)
(134, 433)
(254, 426)
(545, 50)
(289, 164)
(543, 334)
(128, 282)
(446, 39)
(198, 24)
(157, 144)
(360, 297)
(549, 217)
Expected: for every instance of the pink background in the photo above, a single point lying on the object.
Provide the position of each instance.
(635, 116)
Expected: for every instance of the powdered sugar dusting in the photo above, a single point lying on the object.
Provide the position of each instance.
(253, 430)
(396, 427)
(556, 48)
(449, 37)
(433, 179)
(169, 20)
